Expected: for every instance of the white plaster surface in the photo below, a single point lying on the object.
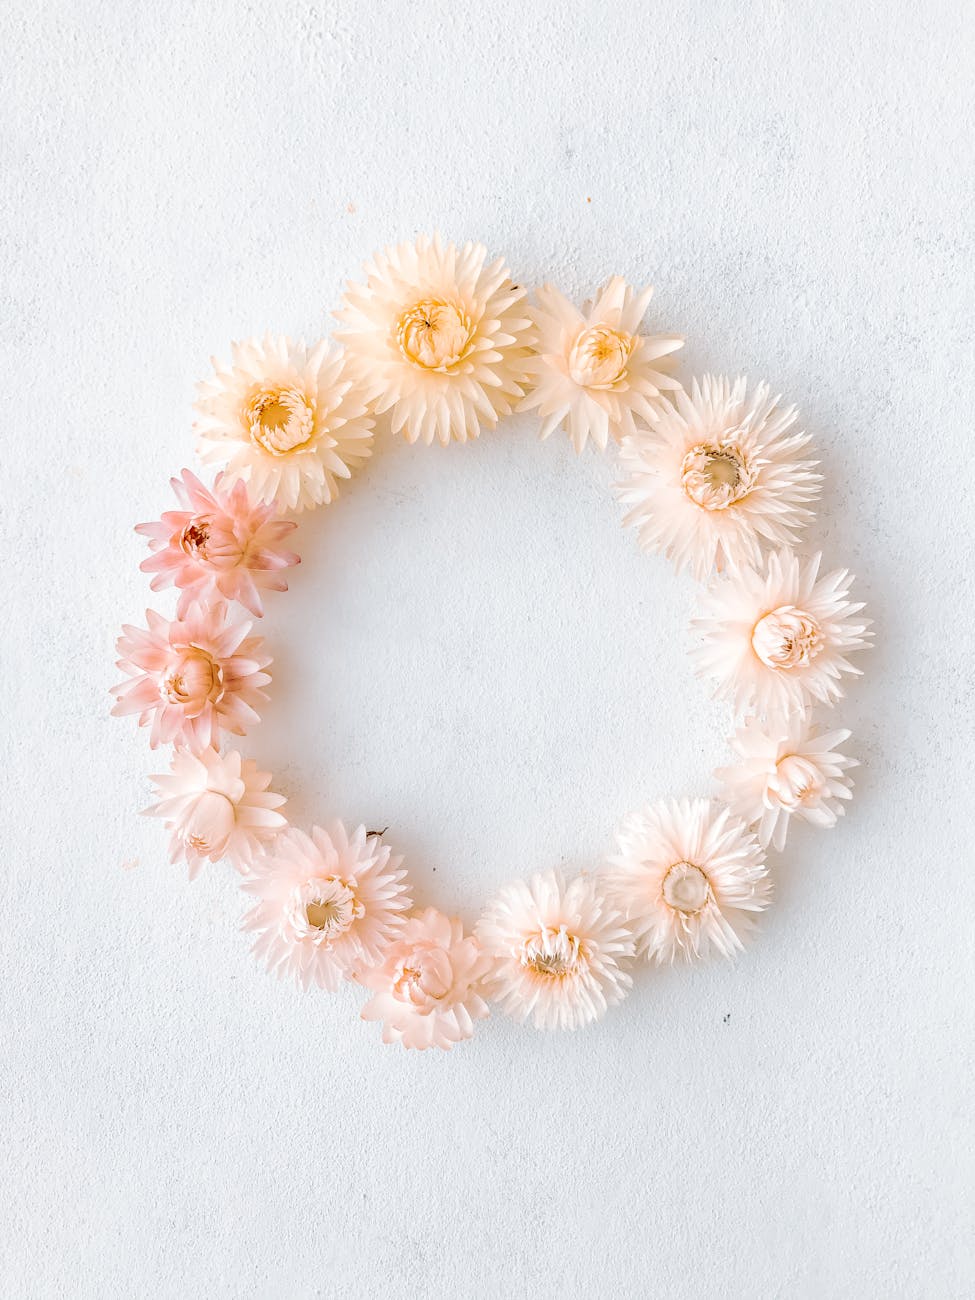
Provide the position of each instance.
(475, 653)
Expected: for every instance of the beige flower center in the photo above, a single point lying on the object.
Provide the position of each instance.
(599, 356)
(787, 638)
(553, 954)
(194, 678)
(715, 475)
(686, 888)
(280, 420)
(434, 334)
(797, 781)
(330, 907)
(424, 977)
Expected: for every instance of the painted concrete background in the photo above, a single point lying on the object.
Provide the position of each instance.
(474, 653)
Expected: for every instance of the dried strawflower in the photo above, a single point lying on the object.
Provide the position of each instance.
(437, 338)
(557, 950)
(426, 985)
(719, 474)
(689, 878)
(285, 419)
(592, 371)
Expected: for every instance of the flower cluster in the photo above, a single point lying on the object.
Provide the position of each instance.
(438, 344)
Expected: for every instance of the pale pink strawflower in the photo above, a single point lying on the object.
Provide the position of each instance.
(191, 678)
(426, 985)
(592, 372)
(438, 338)
(221, 544)
(785, 768)
(556, 949)
(327, 903)
(720, 474)
(216, 806)
(689, 879)
(285, 419)
(778, 637)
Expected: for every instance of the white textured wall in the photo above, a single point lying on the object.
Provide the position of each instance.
(475, 653)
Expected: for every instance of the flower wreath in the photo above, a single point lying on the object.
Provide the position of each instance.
(714, 476)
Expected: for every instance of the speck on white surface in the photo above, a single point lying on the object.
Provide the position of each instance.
(475, 653)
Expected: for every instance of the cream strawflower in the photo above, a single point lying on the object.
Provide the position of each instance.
(556, 950)
(285, 419)
(426, 985)
(717, 475)
(327, 903)
(437, 338)
(593, 371)
(216, 806)
(778, 636)
(688, 879)
(786, 768)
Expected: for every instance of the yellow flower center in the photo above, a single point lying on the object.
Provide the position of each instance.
(599, 356)
(787, 638)
(686, 888)
(280, 420)
(434, 334)
(553, 954)
(715, 475)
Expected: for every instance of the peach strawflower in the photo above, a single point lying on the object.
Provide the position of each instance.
(425, 987)
(192, 678)
(777, 637)
(326, 903)
(689, 879)
(720, 473)
(437, 338)
(216, 806)
(556, 950)
(593, 371)
(219, 545)
(786, 768)
(285, 419)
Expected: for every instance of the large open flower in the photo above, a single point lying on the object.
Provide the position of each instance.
(593, 371)
(779, 636)
(785, 768)
(326, 903)
(718, 474)
(220, 544)
(688, 879)
(556, 950)
(425, 988)
(216, 806)
(437, 338)
(191, 678)
(285, 419)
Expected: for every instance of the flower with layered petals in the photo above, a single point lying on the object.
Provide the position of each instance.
(777, 637)
(425, 988)
(437, 338)
(216, 806)
(688, 879)
(219, 545)
(592, 371)
(556, 949)
(327, 903)
(719, 474)
(191, 678)
(786, 768)
(285, 419)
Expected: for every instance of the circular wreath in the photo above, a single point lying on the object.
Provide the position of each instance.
(715, 475)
